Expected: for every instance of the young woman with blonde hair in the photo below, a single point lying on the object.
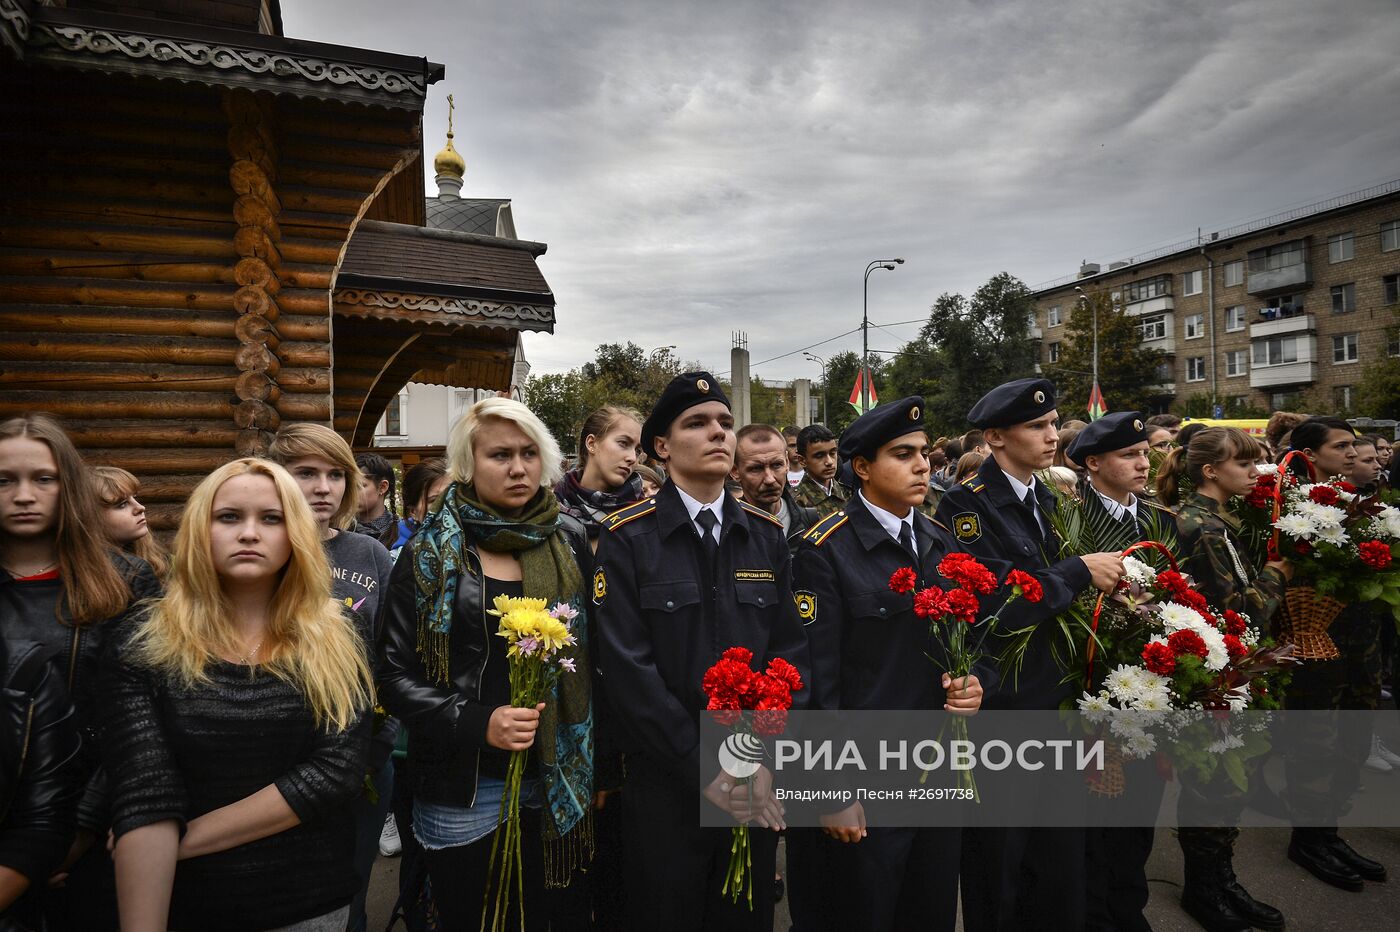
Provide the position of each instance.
(64, 587)
(237, 723)
(498, 530)
(124, 518)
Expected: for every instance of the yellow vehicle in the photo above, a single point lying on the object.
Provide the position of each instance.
(1254, 426)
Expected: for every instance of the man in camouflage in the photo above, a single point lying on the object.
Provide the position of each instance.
(816, 448)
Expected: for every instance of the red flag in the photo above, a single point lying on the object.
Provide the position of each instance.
(1097, 406)
(864, 384)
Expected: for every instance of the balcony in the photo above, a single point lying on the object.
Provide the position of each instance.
(1289, 373)
(1034, 333)
(1289, 278)
(1166, 344)
(1288, 321)
(1159, 305)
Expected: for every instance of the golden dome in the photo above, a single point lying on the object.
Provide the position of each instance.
(449, 161)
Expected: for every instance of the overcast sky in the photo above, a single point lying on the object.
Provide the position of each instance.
(703, 167)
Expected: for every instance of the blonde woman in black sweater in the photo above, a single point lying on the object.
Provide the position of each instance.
(238, 723)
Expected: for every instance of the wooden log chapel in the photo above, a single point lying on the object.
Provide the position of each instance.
(208, 230)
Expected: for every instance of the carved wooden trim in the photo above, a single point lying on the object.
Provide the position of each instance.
(397, 305)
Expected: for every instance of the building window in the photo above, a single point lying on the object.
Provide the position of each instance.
(393, 417)
(1052, 351)
(1195, 326)
(1341, 247)
(1238, 401)
(1281, 256)
(1343, 298)
(1234, 318)
(1392, 341)
(1052, 317)
(1283, 305)
(1342, 397)
(1147, 289)
(1390, 236)
(1196, 369)
(1234, 273)
(1191, 282)
(1235, 362)
(1275, 351)
(1164, 373)
(1285, 401)
(1154, 328)
(1344, 348)
(1391, 284)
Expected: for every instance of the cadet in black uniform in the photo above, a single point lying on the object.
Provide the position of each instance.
(681, 578)
(1113, 453)
(869, 652)
(1022, 878)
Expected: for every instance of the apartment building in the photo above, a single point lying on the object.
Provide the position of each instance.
(1262, 313)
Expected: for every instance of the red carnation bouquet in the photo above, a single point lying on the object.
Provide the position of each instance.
(1342, 547)
(952, 614)
(733, 687)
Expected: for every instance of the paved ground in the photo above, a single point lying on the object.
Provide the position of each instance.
(1310, 905)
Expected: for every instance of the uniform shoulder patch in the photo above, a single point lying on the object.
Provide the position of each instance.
(967, 526)
(631, 513)
(972, 484)
(824, 528)
(760, 513)
(806, 602)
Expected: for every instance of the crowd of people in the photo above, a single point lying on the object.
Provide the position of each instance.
(222, 734)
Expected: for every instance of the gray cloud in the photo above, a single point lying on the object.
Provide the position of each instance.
(699, 168)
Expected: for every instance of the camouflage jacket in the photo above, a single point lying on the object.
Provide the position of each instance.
(811, 495)
(1214, 553)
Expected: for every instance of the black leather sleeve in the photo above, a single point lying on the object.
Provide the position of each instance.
(434, 710)
(39, 820)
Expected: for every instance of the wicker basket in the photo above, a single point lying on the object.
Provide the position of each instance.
(1306, 616)
(1111, 781)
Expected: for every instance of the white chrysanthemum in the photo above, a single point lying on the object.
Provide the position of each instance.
(1225, 744)
(1216, 654)
(1297, 526)
(1122, 726)
(1124, 682)
(1389, 522)
(1139, 572)
(1267, 469)
(1152, 701)
(1140, 746)
(1322, 515)
(1333, 535)
(1095, 705)
(1176, 617)
(1238, 698)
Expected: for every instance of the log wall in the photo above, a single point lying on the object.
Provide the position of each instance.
(166, 257)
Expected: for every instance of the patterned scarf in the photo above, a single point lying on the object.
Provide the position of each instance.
(575, 501)
(549, 571)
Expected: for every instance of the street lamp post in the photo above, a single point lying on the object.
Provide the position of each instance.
(660, 351)
(865, 327)
(1094, 308)
(821, 362)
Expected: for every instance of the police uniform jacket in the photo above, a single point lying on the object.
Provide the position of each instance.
(869, 650)
(664, 618)
(988, 521)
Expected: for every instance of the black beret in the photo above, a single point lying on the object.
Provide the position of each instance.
(1013, 403)
(878, 426)
(684, 391)
(1110, 432)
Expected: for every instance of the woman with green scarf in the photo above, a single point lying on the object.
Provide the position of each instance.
(444, 673)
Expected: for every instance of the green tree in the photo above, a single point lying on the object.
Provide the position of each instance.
(619, 374)
(1128, 371)
(1201, 404)
(967, 348)
(1378, 395)
(559, 400)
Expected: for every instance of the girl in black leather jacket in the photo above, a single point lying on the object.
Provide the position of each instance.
(64, 588)
(498, 531)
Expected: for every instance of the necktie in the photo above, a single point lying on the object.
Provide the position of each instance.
(1029, 501)
(906, 540)
(708, 545)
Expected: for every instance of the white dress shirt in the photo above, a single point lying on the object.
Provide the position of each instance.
(693, 507)
(890, 522)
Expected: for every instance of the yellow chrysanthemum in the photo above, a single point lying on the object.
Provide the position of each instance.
(553, 633)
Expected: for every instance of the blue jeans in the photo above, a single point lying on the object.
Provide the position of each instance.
(369, 823)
